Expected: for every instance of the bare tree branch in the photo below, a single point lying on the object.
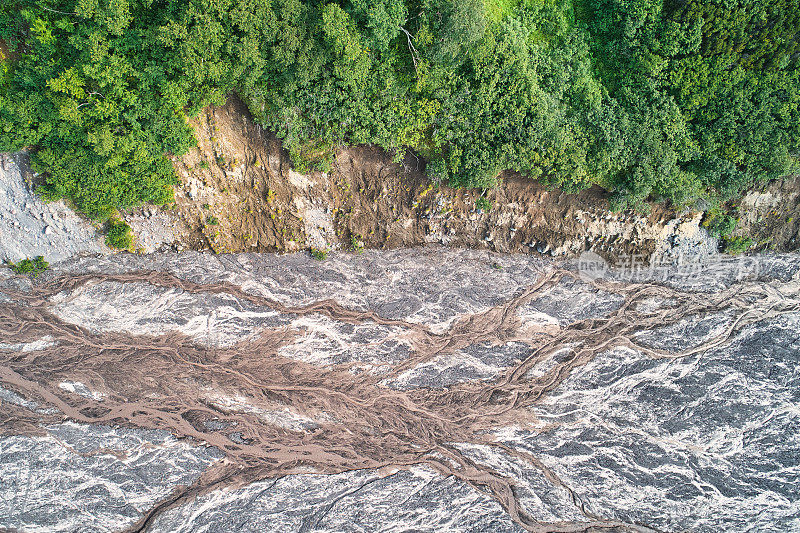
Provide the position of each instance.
(414, 53)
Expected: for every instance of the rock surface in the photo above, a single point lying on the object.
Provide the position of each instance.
(30, 227)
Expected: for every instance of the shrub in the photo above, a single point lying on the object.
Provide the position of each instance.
(437, 171)
(119, 235)
(33, 267)
(484, 204)
(719, 223)
(319, 255)
(737, 245)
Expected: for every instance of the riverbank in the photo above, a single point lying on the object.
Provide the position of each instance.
(238, 192)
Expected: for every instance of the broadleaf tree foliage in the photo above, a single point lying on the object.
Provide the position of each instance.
(677, 100)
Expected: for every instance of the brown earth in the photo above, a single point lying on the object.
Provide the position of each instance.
(239, 192)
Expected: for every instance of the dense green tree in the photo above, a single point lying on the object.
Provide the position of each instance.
(674, 100)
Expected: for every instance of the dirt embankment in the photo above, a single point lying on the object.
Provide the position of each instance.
(239, 192)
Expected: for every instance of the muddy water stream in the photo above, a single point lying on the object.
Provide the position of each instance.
(548, 400)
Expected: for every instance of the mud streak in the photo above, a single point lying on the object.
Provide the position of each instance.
(159, 383)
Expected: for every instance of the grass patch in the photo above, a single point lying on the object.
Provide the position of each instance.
(484, 204)
(356, 244)
(737, 245)
(719, 223)
(722, 225)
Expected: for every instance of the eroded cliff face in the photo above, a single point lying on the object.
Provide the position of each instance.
(426, 389)
(239, 192)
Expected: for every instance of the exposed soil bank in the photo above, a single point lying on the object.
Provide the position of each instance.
(770, 214)
(238, 192)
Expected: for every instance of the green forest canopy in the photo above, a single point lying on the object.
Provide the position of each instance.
(675, 100)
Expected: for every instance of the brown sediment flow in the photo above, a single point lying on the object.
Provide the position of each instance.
(163, 382)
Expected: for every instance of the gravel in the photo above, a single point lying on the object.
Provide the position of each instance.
(30, 227)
